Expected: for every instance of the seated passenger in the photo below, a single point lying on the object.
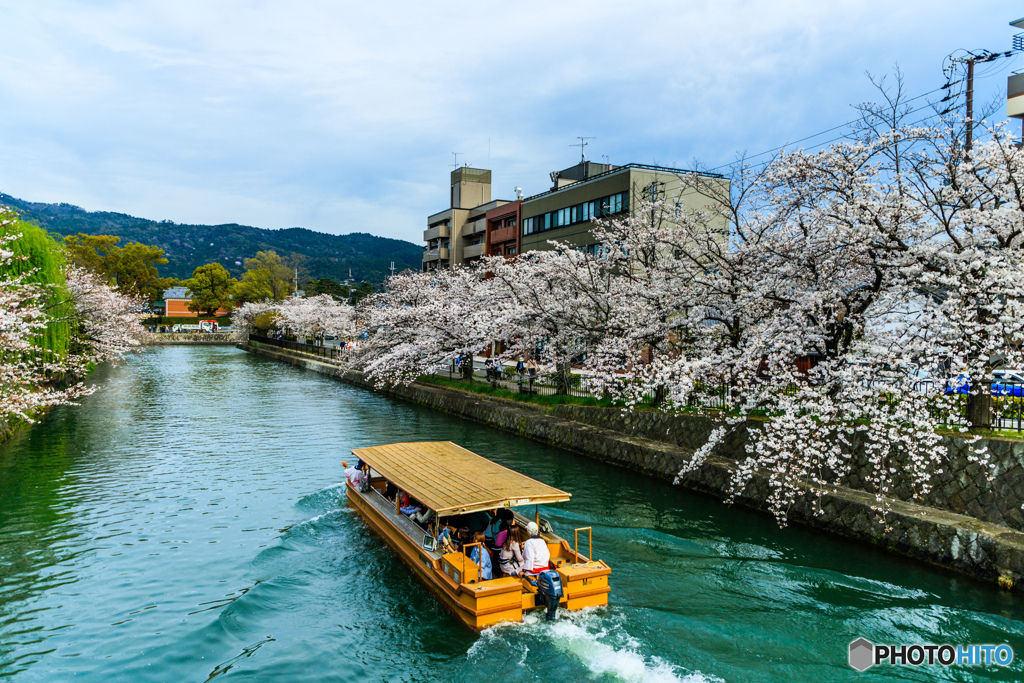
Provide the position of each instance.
(477, 521)
(410, 508)
(500, 519)
(481, 556)
(535, 552)
(423, 517)
(502, 535)
(510, 554)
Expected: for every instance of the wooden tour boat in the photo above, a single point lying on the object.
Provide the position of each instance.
(452, 481)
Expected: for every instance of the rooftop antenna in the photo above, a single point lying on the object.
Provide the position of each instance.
(456, 155)
(581, 144)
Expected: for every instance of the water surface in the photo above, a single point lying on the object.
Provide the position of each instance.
(186, 523)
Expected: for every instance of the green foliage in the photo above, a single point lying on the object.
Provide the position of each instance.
(265, 322)
(46, 258)
(211, 287)
(266, 277)
(549, 400)
(350, 294)
(131, 268)
(189, 246)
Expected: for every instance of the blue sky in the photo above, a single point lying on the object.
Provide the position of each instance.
(342, 116)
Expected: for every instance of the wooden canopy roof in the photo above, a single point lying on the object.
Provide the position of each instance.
(451, 480)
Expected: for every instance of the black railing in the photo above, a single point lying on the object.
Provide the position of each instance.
(312, 349)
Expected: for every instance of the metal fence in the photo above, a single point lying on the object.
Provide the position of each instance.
(951, 410)
(312, 349)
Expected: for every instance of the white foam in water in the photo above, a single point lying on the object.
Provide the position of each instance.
(575, 635)
(586, 636)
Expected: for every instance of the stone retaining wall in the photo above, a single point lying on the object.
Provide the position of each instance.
(193, 339)
(981, 549)
(962, 487)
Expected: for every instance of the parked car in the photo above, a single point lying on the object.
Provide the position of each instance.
(1006, 383)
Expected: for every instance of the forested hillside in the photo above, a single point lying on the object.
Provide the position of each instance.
(188, 246)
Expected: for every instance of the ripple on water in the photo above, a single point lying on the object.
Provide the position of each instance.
(185, 523)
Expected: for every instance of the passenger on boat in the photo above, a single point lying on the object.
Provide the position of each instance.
(510, 554)
(477, 521)
(500, 520)
(535, 552)
(481, 556)
(355, 476)
(423, 517)
(502, 535)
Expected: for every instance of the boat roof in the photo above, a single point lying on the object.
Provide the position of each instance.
(451, 480)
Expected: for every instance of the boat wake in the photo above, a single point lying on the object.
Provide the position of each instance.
(591, 638)
(325, 499)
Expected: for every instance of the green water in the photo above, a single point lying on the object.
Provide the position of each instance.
(186, 523)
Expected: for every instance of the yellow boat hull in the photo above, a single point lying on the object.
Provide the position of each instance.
(480, 604)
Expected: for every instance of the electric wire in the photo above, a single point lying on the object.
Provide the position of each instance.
(984, 73)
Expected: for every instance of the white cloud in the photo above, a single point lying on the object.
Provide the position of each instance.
(342, 116)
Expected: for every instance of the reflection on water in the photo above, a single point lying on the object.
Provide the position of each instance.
(186, 523)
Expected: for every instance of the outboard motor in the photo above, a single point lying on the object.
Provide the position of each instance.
(549, 591)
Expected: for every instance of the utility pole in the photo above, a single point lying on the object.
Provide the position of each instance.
(970, 101)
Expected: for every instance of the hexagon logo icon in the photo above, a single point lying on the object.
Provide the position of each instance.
(862, 654)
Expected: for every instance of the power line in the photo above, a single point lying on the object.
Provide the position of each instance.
(841, 125)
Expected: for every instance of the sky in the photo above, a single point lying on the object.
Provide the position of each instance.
(342, 116)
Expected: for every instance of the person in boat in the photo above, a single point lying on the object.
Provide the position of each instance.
(501, 519)
(510, 553)
(481, 556)
(355, 475)
(535, 552)
(502, 535)
(422, 517)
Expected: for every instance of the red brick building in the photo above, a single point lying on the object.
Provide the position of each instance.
(502, 236)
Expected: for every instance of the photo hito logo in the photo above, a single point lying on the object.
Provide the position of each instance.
(864, 654)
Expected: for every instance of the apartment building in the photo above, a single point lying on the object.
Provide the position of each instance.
(475, 225)
(503, 233)
(457, 235)
(587, 191)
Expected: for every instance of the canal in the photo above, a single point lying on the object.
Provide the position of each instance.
(186, 523)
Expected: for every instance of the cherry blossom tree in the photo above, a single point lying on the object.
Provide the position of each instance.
(317, 316)
(104, 325)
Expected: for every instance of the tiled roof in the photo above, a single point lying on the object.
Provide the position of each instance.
(176, 293)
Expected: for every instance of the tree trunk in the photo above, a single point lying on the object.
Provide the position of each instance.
(467, 369)
(563, 378)
(979, 410)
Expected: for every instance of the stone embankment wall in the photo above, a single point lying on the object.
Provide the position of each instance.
(661, 444)
(963, 486)
(192, 339)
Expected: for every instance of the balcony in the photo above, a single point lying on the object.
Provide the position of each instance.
(504, 234)
(440, 254)
(475, 228)
(473, 250)
(435, 232)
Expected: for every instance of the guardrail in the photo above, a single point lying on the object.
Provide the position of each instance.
(321, 351)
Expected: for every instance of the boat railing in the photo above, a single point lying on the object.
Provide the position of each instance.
(590, 541)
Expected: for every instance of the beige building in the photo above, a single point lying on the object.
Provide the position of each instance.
(588, 191)
(457, 235)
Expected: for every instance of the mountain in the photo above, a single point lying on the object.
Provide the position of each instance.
(187, 246)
